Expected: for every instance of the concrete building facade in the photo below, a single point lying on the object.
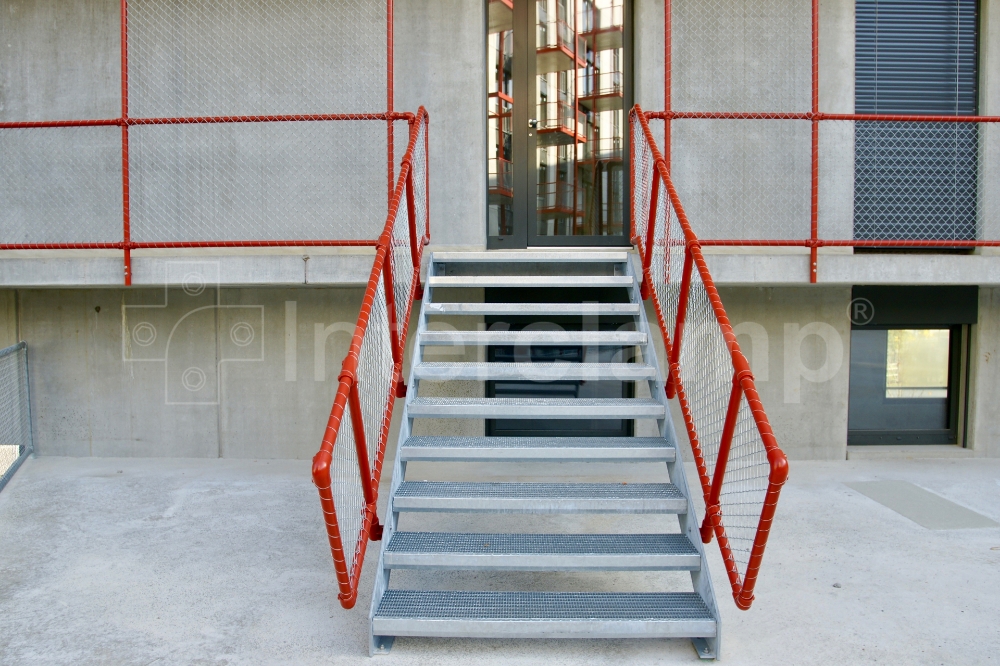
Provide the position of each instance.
(239, 349)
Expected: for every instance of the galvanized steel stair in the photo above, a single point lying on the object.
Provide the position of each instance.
(531, 613)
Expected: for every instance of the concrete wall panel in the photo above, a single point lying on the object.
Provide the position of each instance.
(276, 405)
(203, 375)
(807, 337)
(441, 64)
(88, 399)
(984, 428)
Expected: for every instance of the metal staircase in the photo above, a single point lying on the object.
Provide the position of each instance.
(690, 612)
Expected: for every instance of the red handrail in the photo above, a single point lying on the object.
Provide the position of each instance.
(406, 193)
(743, 387)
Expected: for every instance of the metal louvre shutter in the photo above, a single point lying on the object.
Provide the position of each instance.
(916, 180)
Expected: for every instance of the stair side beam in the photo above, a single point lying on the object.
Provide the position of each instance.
(701, 579)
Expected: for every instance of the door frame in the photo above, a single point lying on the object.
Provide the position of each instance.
(523, 140)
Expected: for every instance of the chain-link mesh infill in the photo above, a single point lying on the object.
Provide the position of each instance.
(258, 181)
(375, 379)
(916, 180)
(744, 179)
(15, 420)
(244, 57)
(345, 488)
(61, 185)
(741, 55)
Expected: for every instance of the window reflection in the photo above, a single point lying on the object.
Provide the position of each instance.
(580, 111)
(917, 363)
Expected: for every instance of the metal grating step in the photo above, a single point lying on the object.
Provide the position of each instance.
(533, 257)
(543, 614)
(555, 309)
(541, 552)
(542, 281)
(473, 497)
(536, 449)
(535, 372)
(536, 408)
(538, 338)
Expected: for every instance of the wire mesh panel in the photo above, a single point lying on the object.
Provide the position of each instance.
(707, 372)
(258, 181)
(741, 55)
(368, 378)
(916, 180)
(243, 57)
(375, 380)
(345, 488)
(744, 487)
(61, 185)
(642, 180)
(744, 179)
(15, 418)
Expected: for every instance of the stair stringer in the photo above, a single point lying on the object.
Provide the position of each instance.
(382, 644)
(708, 648)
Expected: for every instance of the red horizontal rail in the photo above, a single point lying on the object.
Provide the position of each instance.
(188, 244)
(263, 243)
(62, 246)
(287, 118)
(730, 242)
(205, 120)
(34, 124)
(807, 115)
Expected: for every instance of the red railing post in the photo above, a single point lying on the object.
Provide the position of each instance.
(713, 512)
(814, 170)
(395, 341)
(126, 207)
(682, 299)
(415, 241)
(361, 447)
(647, 258)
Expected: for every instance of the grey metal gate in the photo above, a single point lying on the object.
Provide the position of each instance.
(15, 415)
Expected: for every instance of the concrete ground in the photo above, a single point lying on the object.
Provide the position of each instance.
(152, 561)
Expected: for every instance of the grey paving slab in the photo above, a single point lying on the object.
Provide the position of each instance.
(182, 561)
(921, 506)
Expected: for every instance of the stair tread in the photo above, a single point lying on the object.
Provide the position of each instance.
(530, 281)
(534, 337)
(553, 256)
(553, 402)
(537, 442)
(538, 449)
(544, 606)
(541, 544)
(545, 490)
(533, 308)
(536, 408)
(534, 371)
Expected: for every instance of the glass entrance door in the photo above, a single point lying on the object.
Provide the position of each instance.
(557, 164)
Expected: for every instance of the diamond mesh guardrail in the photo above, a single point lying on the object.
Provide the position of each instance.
(348, 467)
(241, 124)
(740, 465)
(758, 163)
(15, 416)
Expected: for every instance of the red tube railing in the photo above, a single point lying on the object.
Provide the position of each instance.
(707, 373)
(372, 373)
(816, 116)
(126, 121)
